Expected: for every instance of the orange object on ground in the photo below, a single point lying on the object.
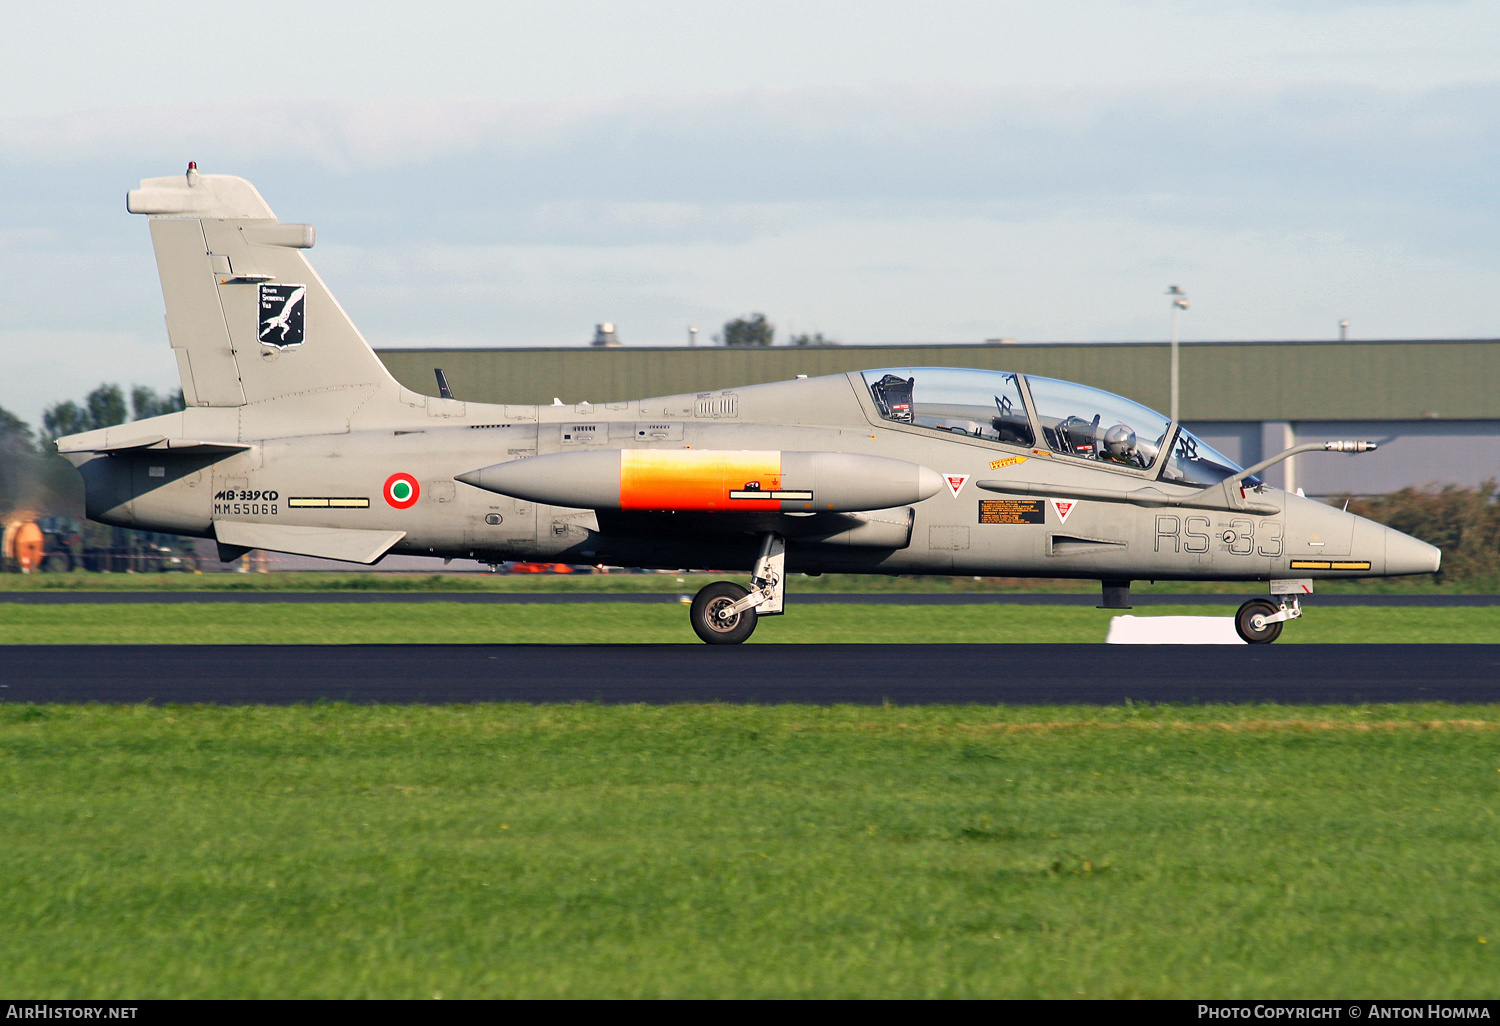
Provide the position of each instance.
(26, 546)
(684, 479)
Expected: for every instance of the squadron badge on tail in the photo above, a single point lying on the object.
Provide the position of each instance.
(282, 315)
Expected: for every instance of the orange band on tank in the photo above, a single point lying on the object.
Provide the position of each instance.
(697, 479)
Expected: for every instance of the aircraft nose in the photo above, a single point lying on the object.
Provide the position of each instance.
(1407, 555)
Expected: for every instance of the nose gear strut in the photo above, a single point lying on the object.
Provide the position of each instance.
(723, 613)
(767, 580)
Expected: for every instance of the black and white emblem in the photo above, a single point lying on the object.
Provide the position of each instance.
(282, 315)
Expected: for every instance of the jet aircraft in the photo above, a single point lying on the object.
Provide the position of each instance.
(295, 438)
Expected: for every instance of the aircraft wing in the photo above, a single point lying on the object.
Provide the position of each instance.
(350, 545)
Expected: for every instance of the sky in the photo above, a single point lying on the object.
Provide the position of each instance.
(510, 174)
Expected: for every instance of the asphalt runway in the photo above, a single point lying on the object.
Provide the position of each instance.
(48, 598)
(819, 674)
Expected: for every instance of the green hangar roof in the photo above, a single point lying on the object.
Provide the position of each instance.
(1221, 381)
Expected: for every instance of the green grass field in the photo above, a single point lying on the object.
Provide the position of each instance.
(690, 851)
(622, 582)
(455, 623)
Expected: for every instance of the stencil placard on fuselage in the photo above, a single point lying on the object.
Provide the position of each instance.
(1012, 511)
(1064, 508)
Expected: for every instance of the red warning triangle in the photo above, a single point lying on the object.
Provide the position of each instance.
(1065, 508)
(956, 482)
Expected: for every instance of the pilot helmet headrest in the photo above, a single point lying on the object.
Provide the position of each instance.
(1120, 440)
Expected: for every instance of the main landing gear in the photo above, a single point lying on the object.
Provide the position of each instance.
(724, 613)
(1259, 620)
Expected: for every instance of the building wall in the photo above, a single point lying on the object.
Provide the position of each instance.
(1416, 453)
(1434, 405)
(1240, 381)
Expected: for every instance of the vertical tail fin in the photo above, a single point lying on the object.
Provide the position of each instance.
(248, 318)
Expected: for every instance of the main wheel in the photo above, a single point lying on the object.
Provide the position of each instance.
(1246, 619)
(717, 630)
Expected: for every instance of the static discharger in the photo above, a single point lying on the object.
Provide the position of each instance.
(711, 480)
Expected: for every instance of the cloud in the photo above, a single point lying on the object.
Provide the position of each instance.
(873, 214)
(906, 145)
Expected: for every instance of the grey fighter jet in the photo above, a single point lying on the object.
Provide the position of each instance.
(296, 439)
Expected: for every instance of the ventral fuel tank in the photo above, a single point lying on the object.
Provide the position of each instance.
(680, 480)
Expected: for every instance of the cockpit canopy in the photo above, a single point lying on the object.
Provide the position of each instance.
(1073, 420)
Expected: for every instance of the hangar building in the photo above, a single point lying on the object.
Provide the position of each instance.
(1433, 405)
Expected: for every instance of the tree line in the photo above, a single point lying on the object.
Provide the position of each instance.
(756, 331)
(105, 407)
(33, 478)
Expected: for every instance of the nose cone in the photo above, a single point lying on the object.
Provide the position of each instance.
(1407, 555)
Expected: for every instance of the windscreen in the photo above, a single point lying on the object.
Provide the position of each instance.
(1194, 462)
(973, 403)
(1092, 424)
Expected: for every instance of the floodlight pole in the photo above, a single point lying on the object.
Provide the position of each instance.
(1179, 304)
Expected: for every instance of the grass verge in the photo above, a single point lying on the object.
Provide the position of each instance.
(615, 623)
(690, 851)
(622, 582)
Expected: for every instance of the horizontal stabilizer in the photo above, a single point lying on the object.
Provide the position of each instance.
(326, 542)
(159, 443)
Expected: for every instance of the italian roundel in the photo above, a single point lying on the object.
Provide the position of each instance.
(402, 491)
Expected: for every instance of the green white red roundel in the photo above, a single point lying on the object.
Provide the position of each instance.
(402, 491)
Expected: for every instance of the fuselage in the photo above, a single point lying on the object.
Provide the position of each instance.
(398, 471)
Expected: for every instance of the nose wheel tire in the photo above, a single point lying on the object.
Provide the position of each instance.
(710, 626)
(1249, 615)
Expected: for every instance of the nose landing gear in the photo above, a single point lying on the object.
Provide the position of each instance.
(723, 613)
(712, 619)
(1259, 620)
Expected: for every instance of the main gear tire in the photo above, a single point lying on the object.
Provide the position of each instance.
(1245, 622)
(717, 630)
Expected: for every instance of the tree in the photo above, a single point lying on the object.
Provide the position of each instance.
(105, 407)
(17, 461)
(1463, 522)
(33, 481)
(15, 434)
(145, 402)
(64, 418)
(812, 340)
(754, 330)
(101, 408)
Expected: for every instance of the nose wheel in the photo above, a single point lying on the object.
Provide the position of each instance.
(1259, 620)
(723, 613)
(714, 619)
